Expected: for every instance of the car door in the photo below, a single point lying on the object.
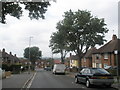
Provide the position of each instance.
(79, 75)
(84, 75)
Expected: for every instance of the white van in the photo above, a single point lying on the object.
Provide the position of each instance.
(59, 68)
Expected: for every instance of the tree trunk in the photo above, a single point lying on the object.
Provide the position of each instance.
(62, 58)
(79, 54)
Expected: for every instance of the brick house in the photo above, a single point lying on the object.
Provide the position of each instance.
(67, 62)
(9, 58)
(87, 59)
(105, 55)
(74, 61)
(57, 61)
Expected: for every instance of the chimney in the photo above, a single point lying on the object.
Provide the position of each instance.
(114, 37)
(10, 53)
(70, 54)
(15, 55)
(3, 50)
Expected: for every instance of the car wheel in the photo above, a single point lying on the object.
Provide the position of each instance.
(55, 72)
(88, 85)
(76, 80)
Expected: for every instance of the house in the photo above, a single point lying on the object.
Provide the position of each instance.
(105, 55)
(67, 62)
(87, 59)
(57, 61)
(24, 61)
(74, 61)
(9, 58)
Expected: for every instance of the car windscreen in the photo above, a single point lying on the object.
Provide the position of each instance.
(99, 71)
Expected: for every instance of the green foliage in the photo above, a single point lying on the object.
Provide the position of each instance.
(80, 31)
(58, 44)
(5, 67)
(83, 30)
(36, 9)
(35, 53)
(14, 68)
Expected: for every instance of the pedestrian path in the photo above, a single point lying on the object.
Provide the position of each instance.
(16, 80)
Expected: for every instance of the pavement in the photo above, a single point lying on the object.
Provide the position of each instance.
(17, 80)
(115, 84)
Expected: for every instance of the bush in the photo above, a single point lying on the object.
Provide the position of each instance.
(14, 68)
(6, 67)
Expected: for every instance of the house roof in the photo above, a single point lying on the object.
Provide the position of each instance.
(57, 61)
(9, 56)
(110, 46)
(89, 52)
(74, 57)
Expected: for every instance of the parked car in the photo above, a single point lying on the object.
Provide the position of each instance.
(108, 67)
(94, 76)
(59, 68)
(48, 68)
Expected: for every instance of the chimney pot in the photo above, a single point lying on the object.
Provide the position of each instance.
(10, 53)
(114, 37)
(3, 50)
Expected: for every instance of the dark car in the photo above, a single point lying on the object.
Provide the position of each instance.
(94, 76)
(48, 68)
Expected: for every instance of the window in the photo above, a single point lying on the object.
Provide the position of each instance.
(97, 65)
(97, 56)
(105, 65)
(84, 59)
(106, 56)
(87, 71)
(99, 71)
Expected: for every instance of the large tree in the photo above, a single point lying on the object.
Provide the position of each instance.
(58, 44)
(83, 31)
(32, 53)
(36, 9)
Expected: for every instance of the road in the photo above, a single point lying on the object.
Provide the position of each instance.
(45, 79)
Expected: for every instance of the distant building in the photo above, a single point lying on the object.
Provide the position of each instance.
(57, 61)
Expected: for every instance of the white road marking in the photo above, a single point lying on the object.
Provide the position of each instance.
(29, 85)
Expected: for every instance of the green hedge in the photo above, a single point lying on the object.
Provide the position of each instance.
(14, 68)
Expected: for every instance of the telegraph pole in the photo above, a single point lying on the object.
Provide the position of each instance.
(29, 54)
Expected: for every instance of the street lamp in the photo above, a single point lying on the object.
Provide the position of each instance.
(116, 53)
(29, 54)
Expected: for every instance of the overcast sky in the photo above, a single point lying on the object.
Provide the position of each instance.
(14, 36)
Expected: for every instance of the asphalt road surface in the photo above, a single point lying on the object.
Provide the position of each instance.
(45, 79)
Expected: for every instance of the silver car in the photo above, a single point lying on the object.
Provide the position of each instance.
(94, 76)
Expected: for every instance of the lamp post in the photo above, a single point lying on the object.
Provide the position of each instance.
(116, 53)
(29, 54)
